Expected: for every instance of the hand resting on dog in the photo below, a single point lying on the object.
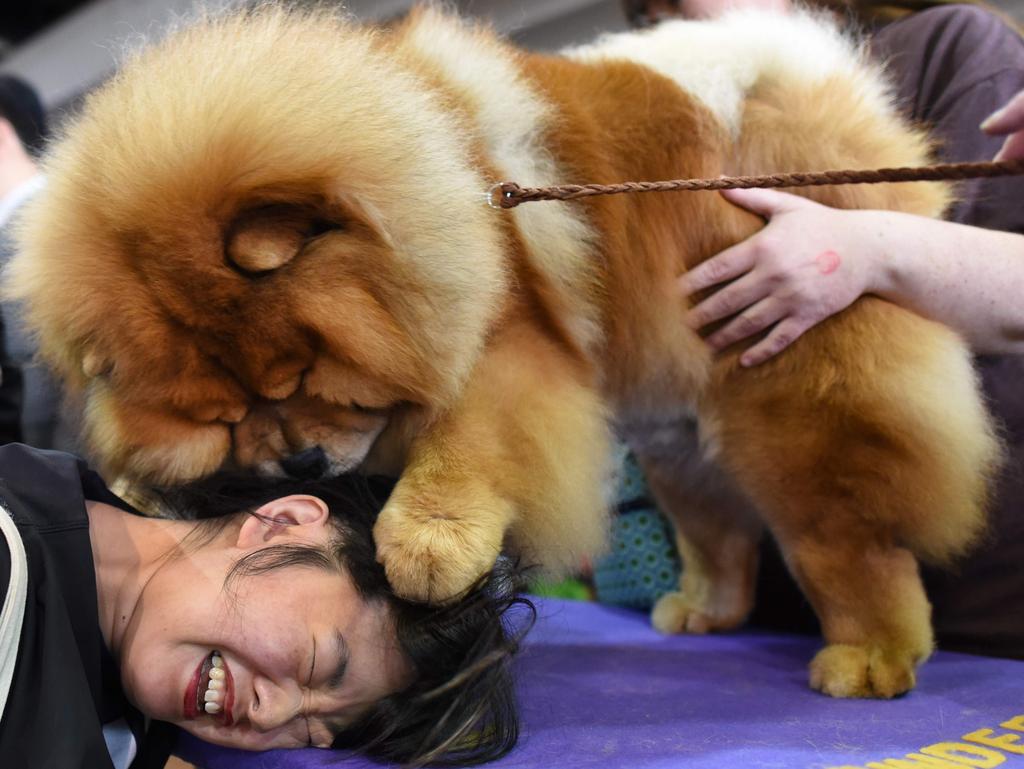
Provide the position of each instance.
(812, 261)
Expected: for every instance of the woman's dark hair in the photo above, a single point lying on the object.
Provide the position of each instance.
(461, 707)
(638, 11)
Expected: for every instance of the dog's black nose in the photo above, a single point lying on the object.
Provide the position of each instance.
(307, 464)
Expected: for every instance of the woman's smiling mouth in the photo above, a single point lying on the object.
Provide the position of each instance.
(211, 690)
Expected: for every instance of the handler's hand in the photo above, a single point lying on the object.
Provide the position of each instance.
(1008, 120)
(808, 263)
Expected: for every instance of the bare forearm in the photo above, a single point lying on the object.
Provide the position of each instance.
(811, 262)
(969, 278)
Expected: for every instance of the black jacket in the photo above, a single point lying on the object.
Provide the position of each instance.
(66, 684)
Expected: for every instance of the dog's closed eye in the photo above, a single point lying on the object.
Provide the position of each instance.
(265, 239)
(370, 410)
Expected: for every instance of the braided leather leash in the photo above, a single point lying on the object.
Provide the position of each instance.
(510, 194)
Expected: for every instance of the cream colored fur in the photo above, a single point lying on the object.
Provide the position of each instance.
(512, 121)
(718, 62)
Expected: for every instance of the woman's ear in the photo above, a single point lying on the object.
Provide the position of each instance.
(299, 515)
(7, 133)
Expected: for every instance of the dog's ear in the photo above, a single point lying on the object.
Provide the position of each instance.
(264, 239)
(95, 364)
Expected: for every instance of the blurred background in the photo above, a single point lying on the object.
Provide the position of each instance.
(65, 47)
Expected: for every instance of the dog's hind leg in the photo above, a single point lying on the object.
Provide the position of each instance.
(865, 446)
(868, 595)
(717, 535)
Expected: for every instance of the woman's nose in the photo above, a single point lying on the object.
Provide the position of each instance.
(273, 705)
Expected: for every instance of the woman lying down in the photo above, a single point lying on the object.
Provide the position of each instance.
(271, 626)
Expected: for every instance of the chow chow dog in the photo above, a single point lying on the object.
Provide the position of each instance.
(266, 244)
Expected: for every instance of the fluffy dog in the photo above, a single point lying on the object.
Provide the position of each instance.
(268, 235)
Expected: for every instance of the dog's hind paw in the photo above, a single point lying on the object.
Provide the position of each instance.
(675, 613)
(842, 670)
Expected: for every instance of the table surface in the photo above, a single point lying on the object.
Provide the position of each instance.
(600, 688)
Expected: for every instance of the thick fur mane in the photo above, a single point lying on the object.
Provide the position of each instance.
(272, 114)
(514, 121)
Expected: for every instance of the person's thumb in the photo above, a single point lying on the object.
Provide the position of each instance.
(1013, 148)
(766, 203)
(1008, 119)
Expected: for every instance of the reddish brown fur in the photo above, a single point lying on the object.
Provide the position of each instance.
(250, 288)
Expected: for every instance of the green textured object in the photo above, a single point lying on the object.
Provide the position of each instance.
(571, 589)
(642, 564)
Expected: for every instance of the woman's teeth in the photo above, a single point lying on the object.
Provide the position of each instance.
(214, 697)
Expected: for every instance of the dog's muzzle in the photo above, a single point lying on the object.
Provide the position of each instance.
(308, 464)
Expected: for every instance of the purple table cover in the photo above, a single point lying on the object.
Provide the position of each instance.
(600, 688)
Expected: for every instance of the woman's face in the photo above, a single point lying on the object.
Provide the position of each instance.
(301, 653)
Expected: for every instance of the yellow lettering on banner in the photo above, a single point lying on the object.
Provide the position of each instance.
(1016, 723)
(957, 755)
(1007, 742)
(979, 757)
(915, 761)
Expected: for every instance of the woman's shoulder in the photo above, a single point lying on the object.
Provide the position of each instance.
(40, 487)
(42, 463)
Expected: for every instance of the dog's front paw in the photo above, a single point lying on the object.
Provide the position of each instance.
(842, 670)
(676, 613)
(434, 551)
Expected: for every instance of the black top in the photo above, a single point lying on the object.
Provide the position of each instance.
(66, 685)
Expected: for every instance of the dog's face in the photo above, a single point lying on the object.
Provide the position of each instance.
(237, 259)
(254, 337)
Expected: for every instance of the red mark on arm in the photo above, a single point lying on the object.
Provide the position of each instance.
(828, 262)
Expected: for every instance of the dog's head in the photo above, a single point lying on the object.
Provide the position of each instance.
(260, 238)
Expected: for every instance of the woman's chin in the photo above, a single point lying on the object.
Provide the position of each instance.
(239, 738)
